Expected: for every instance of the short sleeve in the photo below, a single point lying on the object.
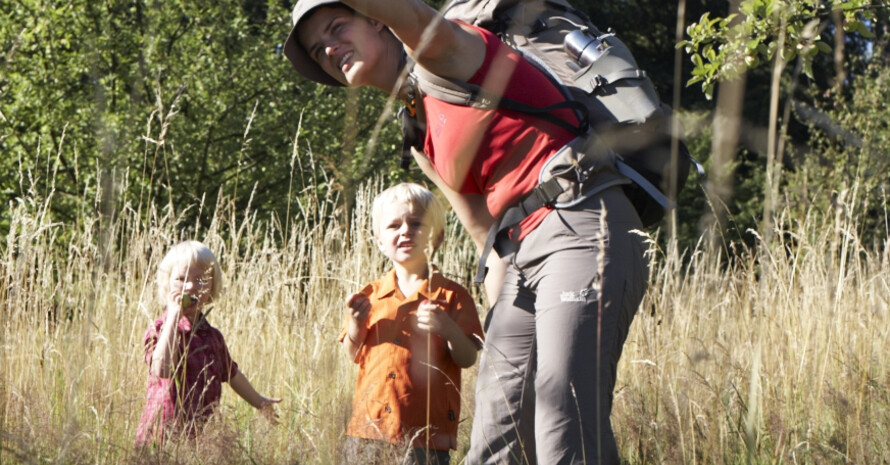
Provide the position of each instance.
(228, 367)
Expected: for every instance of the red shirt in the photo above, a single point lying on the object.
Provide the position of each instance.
(182, 402)
(390, 401)
(497, 153)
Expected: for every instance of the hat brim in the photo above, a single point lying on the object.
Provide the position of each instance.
(301, 61)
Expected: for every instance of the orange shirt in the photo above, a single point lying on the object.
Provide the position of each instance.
(390, 401)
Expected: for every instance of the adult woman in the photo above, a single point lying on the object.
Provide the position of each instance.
(569, 282)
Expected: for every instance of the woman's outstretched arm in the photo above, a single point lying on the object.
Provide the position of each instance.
(445, 48)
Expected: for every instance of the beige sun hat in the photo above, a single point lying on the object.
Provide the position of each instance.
(302, 62)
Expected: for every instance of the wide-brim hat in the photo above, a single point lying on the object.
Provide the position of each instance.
(299, 58)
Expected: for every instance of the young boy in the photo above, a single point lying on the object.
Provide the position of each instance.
(411, 332)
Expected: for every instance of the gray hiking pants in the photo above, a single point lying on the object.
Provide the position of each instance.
(553, 338)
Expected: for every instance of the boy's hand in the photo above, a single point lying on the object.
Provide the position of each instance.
(359, 307)
(431, 318)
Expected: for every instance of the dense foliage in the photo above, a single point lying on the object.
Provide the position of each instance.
(176, 101)
(110, 104)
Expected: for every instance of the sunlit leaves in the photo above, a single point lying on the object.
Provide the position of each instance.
(721, 48)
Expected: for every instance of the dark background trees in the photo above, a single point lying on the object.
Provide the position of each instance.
(174, 102)
(129, 102)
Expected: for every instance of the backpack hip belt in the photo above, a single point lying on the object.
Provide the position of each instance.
(579, 170)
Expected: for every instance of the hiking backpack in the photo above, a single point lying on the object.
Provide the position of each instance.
(600, 80)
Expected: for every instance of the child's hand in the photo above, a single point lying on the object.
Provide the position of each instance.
(431, 318)
(178, 301)
(267, 408)
(359, 307)
(174, 304)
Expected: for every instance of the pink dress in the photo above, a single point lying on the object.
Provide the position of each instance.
(179, 405)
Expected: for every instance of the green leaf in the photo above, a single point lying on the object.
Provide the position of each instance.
(808, 68)
(752, 45)
(708, 89)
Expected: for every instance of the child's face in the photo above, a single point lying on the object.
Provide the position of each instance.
(404, 234)
(193, 280)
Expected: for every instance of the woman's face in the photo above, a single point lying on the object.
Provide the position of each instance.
(346, 46)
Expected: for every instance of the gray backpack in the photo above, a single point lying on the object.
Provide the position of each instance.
(601, 81)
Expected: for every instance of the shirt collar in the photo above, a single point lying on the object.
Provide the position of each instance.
(430, 289)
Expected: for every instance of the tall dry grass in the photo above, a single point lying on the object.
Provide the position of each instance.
(777, 357)
(770, 355)
(74, 316)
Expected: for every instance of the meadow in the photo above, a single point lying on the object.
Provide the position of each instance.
(769, 354)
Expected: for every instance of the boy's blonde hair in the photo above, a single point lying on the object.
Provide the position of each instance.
(191, 253)
(419, 198)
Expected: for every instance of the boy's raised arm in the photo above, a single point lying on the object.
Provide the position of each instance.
(356, 331)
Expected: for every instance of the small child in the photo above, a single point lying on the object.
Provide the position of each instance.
(411, 332)
(187, 357)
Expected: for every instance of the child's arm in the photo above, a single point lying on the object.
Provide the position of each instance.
(243, 388)
(167, 348)
(431, 318)
(356, 330)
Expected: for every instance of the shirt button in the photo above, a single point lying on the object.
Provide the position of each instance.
(398, 341)
(392, 375)
(388, 410)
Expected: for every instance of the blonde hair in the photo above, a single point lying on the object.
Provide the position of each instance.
(419, 198)
(189, 253)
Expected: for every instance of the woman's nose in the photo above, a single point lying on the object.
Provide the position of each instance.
(330, 48)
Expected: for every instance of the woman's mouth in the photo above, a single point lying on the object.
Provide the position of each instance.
(345, 59)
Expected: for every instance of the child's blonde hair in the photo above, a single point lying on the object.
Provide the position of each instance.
(419, 198)
(190, 253)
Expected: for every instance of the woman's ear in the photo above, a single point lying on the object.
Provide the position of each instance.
(377, 25)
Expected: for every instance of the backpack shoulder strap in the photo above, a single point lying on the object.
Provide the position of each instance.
(465, 94)
(453, 91)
